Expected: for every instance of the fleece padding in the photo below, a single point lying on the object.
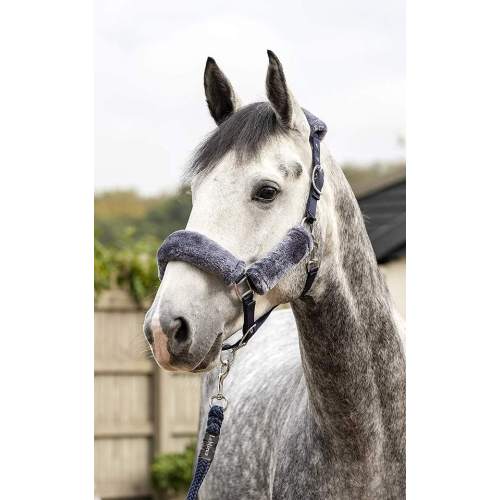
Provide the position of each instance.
(266, 272)
(202, 252)
(209, 256)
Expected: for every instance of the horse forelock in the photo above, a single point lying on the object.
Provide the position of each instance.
(244, 133)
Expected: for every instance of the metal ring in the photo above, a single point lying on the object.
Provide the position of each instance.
(226, 360)
(243, 340)
(313, 180)
(309, 224)
(219, 397)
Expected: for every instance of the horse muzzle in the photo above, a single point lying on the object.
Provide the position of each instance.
(175, 342)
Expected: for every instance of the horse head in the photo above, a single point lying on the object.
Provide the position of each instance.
(250, 180)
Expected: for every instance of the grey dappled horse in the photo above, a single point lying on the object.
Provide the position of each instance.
(317, 398)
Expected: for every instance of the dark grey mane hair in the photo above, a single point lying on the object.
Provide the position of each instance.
(245, 133)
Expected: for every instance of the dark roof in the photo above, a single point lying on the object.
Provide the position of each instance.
(384, 211)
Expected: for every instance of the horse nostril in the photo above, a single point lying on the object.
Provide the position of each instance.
(180, 331)
(176, 330)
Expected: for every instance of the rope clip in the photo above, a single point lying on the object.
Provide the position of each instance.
(225, 366)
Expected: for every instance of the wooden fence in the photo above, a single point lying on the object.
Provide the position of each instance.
(139, 410)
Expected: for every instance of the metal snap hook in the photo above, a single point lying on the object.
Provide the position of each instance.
(226, 361)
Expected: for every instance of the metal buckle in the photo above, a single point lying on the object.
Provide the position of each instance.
(313, 264)
(243, 288)
(244, 339)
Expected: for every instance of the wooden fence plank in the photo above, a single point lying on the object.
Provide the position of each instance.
(139, 409)
(123, 430)
(139, 367)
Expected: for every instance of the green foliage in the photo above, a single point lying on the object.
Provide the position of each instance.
(171, 472)
(117, 203)
(130, 265)
(103, 267)
(167, 216)
(136, 269)
(128, 231)
(125, 215)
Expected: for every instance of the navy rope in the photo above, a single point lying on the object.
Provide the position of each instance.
(207, 450)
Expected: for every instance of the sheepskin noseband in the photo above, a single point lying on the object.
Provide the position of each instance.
(207, 255)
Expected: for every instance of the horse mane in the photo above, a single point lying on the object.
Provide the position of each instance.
(244, 132)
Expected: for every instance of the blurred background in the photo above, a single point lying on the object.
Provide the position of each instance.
(345, 61)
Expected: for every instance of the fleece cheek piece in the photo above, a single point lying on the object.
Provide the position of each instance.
(266, 272)
(205, 254)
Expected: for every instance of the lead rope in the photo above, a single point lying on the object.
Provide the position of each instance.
(214, 424)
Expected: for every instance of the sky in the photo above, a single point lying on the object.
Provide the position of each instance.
(343, 60)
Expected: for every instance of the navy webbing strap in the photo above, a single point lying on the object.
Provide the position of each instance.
(248, 311)
(317, 181)
(318, 130)
(250, 331)
(250, 325)
(311, 276)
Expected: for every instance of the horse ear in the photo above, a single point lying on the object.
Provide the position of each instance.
(281, 98)
(221, 99)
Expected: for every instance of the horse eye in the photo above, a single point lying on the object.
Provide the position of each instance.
(266, 194)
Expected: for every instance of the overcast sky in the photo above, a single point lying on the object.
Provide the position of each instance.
(344, 60)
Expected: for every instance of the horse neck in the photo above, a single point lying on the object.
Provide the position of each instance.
(352, 354)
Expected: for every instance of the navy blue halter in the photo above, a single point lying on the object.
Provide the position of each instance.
(204, 253)
(200, 251)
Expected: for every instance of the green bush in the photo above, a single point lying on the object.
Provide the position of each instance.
(128, 231)
(103, 268)
(118, 213)
(131, 267)
(171, 472)
(136, 270)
